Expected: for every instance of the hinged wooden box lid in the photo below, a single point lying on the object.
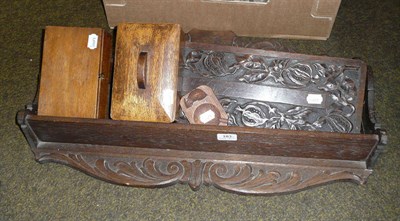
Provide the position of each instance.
(75, 72)
(146, 72)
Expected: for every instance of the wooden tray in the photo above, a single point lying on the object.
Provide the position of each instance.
(239, 159)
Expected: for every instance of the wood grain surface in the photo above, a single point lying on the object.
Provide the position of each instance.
(74, 78)
(150, 95)
(204, 138)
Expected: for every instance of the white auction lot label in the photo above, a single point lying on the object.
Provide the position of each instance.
(92, 41)
(227, 137)
(315, 98)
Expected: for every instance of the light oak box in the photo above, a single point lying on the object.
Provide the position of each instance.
(146, 72)
(75, 72)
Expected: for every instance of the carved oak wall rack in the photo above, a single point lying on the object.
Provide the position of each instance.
(247, 160)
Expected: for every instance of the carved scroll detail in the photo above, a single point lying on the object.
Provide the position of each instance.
(237, 177)
(282, 71)
(262, 115)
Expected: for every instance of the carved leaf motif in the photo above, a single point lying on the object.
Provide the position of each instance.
(278, 65)
(276, 68)
(228, 104)
(254, 70)
(191, 61)
(193, 57)
(151, 172)
(320, 71)
(254, 76)
(298, 112)
(344, 106)
(295, 118)
(349, 89)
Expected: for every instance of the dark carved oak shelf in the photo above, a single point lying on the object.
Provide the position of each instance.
(261, 161)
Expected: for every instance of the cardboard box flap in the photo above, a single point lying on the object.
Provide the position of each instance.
(312, 19)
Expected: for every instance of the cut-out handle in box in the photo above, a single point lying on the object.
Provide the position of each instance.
(142, 70)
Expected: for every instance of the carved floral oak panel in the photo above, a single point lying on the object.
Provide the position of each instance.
(329, 90)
